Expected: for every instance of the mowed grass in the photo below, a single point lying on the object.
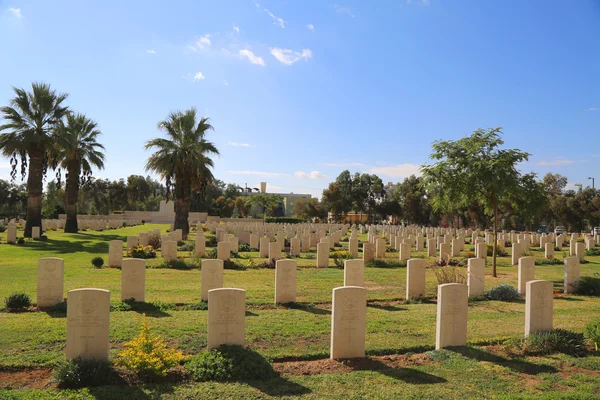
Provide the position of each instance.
(302, 332)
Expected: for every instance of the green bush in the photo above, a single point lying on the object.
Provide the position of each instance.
(227, 363)
(500, 252)
(592, 333)
(2, 228)
(589, 285)
(17, 301)
(21, 240)
(243, 247)
(79, 373)
(175, 264)
(594, 251)
(229, 264)
(98, 262)
(545, 261)
(212, 254)
(555, 341)
(284, 220)
(187, 247)
(504, 292)
(385, 264)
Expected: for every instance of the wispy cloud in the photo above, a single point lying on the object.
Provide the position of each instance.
(342, 165)
(312, 175)
(254, 59)
(343, 11)
(198, 76)
(289, 57)
(419, 2)
(202, 43)
(397, 171)
(555, 163)
(236, 29)
(16, 12)
(236, 144)
(276, 19)
(311, 27)
(593, 109)
(151, 51)
(260, 173)
(225, 83)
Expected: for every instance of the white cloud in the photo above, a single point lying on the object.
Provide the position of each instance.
(151, 51)
(259, 173)
(420, 2)
(225, 83)
(236, 144)
(204, 41)
(276, 19)
(344, 11)
(593, 109)
(397, 171)
(236, 29)
(289, 57)
(343, 165)
(554, 163)
(198, 76)
(254, 59)
(312, 175)
(311, 27)
(16, 12)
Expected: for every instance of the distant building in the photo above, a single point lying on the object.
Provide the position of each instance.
(286, 205)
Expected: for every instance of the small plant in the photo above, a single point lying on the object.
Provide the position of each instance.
(180, 243)
(141, 252)
(449, 274)
(266, 264)
(17, 302)
(21, 240)
(592, 333)
(500, 252)
(229, 264)
(212, 254)
(243, 247)
(340, 256)
(147, 355)
(187, 247)
(229, 363)
(98, 262)
(504, 292)
(2, 228)
(177, 263)
(79, 373)
(589, 285)
(555, 341)
(385, 264)
(154, 240)
(545, 261)
(594, 251)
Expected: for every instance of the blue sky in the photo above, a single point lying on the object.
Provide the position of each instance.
(300, 90)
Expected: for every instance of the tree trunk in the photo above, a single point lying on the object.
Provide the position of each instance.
(182, 205)
(71, 198)
(495, 244)
(34, 189)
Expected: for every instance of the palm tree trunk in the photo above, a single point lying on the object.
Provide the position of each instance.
(72, 197)
(182, 206)
(34, 189)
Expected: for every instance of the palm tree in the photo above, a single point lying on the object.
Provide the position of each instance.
(31, 119)
(77, 151)
(183, 158)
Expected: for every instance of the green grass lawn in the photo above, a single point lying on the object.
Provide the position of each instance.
(37, 339)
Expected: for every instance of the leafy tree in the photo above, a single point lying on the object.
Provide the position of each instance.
(138, 189)
(266, 202)
(117, 195)
(78, 151)
(223, 207)
(31, 118)
(184, 157)
(242, 208)
(53, 201)
(474, 168)
(13, 199)
(334, 200)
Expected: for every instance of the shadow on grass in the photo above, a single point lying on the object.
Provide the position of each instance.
(408, 375)
(517, 365)
(567, 298)
(66, 247)
(387, 307)
(307, 307)
(250, 314)
(279, 386)
(150, 309)
(125, 391)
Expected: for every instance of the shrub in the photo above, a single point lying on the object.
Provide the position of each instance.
(212, 253)
(340, 256)
(21, 240)
(449, 275)
(97, 262)
(177, 263)
(154, 240)
(589, 285)
(188, 247)
(504, 292)
(78, 373)
(500, 252)
(594, 251)
(17, 301)
(555, 341)
(592, 333)
(43, 237)
(227, 363)
(2, 228)
(141, 252)
(211, 241)
(284, 220)
(228, 264)
(243, 247)
(147, 355)
(545, 261)
(385, 264)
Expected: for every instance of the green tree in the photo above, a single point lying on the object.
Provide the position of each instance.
(53, 201)
(333, 200)
(138, 190)
(78, 151)
(31, 118)
(474, 168)
(266, 202)
(223, 207)
(242, 208)
(183, 157)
